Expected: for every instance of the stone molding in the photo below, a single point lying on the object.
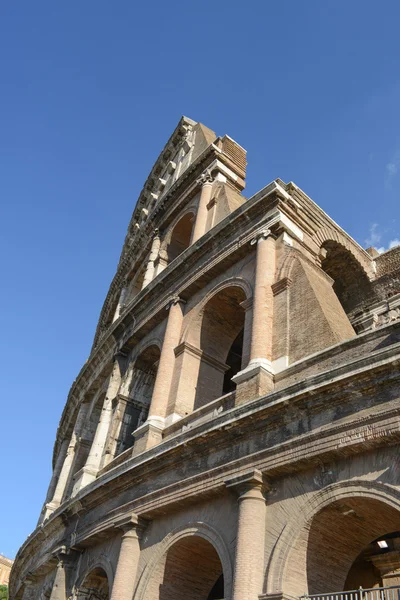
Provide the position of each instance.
(281, 286)
(185, 347)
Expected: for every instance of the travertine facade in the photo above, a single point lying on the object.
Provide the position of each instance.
(234, 433)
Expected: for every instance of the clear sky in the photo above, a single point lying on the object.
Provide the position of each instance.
(89, 94)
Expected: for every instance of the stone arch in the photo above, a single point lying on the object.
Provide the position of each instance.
(199, 529)
(135, 283)
(188, 213)
(231, 282)
(136, 392)
(101, 563)
(288, 564)
(213, 347)
(326, 234)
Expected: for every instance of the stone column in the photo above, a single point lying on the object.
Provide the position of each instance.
(150, 433)
(94, 460)
(59, 591)
(128, 560)
(120, 303)
(155, 248)
(56, 475)
(388, 564)
(261, 335)
(206, 181)
(257, 378)
(248, 575)
(65, 471)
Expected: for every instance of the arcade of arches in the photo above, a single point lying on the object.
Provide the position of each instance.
(94, 587)
(190, 569)
(338, 549)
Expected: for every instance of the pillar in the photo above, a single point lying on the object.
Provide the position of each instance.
(261, 334)
(248, 574)
(199, 229)
(257, 378)
(94, 460)
(62, 454)
(120, 304)
(59, 591)
(150, 433)
(64, 475)
(155, 248)
(388, 563)
(128, 560)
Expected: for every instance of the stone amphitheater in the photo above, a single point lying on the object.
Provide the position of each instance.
(235, 431)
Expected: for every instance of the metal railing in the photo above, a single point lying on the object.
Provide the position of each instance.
(379, 593)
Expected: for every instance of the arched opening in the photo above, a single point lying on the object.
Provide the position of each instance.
(191, 568)
(221, 344)
(181, 237)
(136, 395)
(95, 586)
(134, 284)
(333, 550)
(351, 283)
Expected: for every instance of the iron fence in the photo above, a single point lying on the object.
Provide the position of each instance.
(379, 593)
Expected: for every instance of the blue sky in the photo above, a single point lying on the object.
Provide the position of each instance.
(90, 92)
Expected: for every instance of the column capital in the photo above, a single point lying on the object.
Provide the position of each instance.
(175, 300)
(260, 236)
(130, 524)
(119, 355)
(205, 178)
(250, 484)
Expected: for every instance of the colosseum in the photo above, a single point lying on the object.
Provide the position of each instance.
(235, 432)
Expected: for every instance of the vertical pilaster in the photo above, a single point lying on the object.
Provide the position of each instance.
(128, 560)
(94, 460)
(247, 305)
(206, 182)
(281, 290)
(249, 557)
(261, 335)
(257, 378)
(150, 433)
(65, 471)
(59, 590)
(155, 248)
(120, 304)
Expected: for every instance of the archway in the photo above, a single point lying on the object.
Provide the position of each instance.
(351, 283)
(325, 557)
(221, 344)
(95, 586)
(191, 568)
(134, 407)
(181, 237)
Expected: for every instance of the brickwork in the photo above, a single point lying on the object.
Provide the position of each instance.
(234, 433)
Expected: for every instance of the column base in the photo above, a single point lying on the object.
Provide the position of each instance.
(276, 596)
(148, 435)
(82, 478)
(256, 380)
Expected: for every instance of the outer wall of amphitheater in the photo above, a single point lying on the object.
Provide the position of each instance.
(234, 434)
